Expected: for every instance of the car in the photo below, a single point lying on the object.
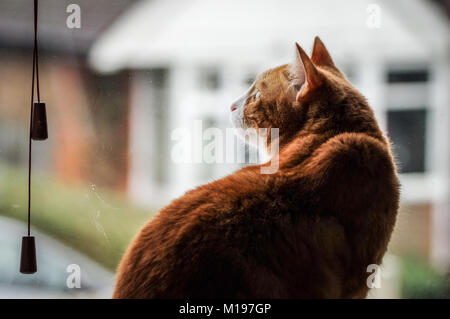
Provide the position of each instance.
(62, 271)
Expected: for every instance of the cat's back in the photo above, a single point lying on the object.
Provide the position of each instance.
(351, 180)
(198, 245)
(249, 235)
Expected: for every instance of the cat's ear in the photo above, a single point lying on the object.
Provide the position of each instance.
(320, 55)
(306, 69)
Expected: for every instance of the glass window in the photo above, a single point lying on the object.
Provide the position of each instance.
(407, 130)
(407, 76)
(158, 82)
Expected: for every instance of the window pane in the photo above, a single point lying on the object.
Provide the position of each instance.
(407, 76)
(407, 129)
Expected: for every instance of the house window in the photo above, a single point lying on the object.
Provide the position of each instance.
(158, 80)
(407, 76)
(407, 131)
(407, 98)
(206, 170)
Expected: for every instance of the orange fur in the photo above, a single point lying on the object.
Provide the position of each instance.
(308, 231)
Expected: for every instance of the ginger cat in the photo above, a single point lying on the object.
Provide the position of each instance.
(307, 231)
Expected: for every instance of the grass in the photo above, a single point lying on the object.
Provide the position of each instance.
(420, 280)
(97, 223)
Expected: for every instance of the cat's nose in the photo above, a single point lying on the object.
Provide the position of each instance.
(233, 108)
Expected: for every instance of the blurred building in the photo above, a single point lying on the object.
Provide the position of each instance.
(87, 112)
(190, 59)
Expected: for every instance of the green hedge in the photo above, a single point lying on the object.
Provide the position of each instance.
(97, 223)
(420, 280)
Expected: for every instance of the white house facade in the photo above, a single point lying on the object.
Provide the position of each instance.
(191, 59)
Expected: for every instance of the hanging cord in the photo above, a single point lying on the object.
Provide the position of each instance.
(36, 48)
(35, 73)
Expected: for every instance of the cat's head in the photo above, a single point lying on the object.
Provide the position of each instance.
(308, 96)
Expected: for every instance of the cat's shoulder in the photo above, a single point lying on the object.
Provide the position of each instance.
(350, 171)
(352, 159)
(354, 150)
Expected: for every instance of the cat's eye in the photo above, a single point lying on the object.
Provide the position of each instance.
(257, 95)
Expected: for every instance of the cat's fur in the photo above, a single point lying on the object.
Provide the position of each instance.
(308, 231)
